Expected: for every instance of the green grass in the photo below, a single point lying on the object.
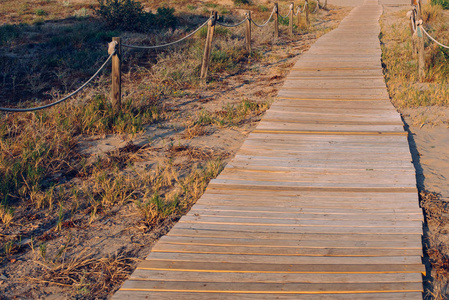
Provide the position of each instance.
(443, 3)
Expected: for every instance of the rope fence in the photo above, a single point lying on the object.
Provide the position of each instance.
(417, 32)
(115, 49)
(168, 44)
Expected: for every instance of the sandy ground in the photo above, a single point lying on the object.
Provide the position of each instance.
(429, 141)
(428, 129)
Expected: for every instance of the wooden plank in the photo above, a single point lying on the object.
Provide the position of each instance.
(283, 251)
(330, 132)
(291, 243)
(327, 128)
(137, 295)
(302, 229)
(292, 222)
(309, 186)
(289, 215)
(294, 205)
(169, 275)
(272, 288)
(382, 208)
(247, 267)
(210, 233)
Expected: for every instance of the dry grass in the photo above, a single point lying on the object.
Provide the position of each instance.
(401, 67)
(437, 217)
(89, 277)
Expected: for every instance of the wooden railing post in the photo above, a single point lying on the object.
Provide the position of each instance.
(419, 10)
(420, 46)
(248, 32)
(299, 16)
(276, 21)
(412, 16)
(208, 46)
(290, 21)
(307, 13)
(116, 93)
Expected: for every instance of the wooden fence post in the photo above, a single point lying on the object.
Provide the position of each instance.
(412, 16)
(420, 44)
(248, 32)
(276, 21)
(208, 46)
(290, 20)
(116, 93)
(419, 10)
(307, 13)
(299, 16)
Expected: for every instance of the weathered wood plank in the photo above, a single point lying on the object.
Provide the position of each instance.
(290, 243)
(283, 251)
(271, 288)
(169, 275)
(137, 295)
(210, 233)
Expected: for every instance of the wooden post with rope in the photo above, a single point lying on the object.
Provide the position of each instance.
(208, 46)
(412, 16)
(248, 32)
(421, 53)
(276, 21)
(290, 20)
(116, 92)
(307, 13)
(299, 15)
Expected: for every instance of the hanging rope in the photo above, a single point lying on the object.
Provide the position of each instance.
(428, 35)
(298, 11)
(269, 19)
(66, 97)
(232, 25)
(169, 44)
(286, 16)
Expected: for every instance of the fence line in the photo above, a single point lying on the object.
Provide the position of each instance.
(418, 32)
(434, 40)
(233, 25)
(266, 23)
(115, 46)
(168, 44)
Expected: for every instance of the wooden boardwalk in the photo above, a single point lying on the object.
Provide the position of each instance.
(319, 203)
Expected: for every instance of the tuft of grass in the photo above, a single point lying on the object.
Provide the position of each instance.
(6, 215)
(154, 208)
(40, 12)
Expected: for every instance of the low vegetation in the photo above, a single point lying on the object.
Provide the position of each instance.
(60, 203)
(401, 65)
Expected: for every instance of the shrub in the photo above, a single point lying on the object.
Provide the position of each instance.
(9, 33)
(443, 3)
(41, 12)
(123, 14)
(240, 2)
(165, 17)
(129, 15)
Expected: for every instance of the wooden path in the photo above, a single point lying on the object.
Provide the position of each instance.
(319, 203)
